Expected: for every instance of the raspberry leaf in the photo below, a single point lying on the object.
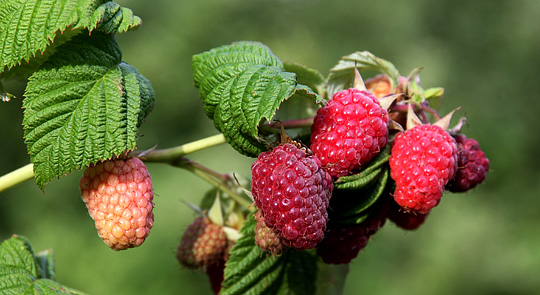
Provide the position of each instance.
(23, 272)
(368, 174)
(307, 76)
(29, 27)
(241, 85)
(82, 106)
(356, 210)
(250, 271)
(342, 75)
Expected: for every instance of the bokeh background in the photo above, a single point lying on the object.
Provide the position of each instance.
(486, 54)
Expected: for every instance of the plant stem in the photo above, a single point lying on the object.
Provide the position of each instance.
(170, 154)
(16, 176)
(165, 155)
(214, 178)
(275, 127)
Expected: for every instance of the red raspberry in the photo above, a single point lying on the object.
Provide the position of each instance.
(118, 195)
(292, 192)
(349, 131)
(343, 242)
(472, 165)
(204, 243)
(266, 238)
(405, 220)
(422, 161)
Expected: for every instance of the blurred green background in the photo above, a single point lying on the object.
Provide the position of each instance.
(486, 54)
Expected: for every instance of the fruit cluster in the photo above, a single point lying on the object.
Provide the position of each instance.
(293, 185)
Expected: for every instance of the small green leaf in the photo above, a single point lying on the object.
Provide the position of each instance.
(368, 173)
(250, 271)
(342, 75)
(83, 105)
(23, 273)
(307, 76)
(354, 206)
(45, 264)
(241, 85)
(434, 96)
(28, 27)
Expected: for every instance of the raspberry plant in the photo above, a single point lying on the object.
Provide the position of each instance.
(83, 106)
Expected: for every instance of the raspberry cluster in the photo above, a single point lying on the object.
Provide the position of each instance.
(292, 192)
(349, 131)
(118, 195)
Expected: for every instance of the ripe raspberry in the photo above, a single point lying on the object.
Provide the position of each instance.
(343, 242)
(204, 243)
(118, 195)
(405, 220)
(292, 192)
(423, 159)
(472, 165)
(266, 238)
(349, 131)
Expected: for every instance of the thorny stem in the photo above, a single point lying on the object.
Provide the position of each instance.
(173, 156)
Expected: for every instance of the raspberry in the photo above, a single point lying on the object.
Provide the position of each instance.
(204, 243)
(266, 238)
(349, 131)
(472, 165)
(343, 242)
(292, 192)
(422, 161)
(118, 195)
(405, 220)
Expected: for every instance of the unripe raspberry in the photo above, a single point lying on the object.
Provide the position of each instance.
(203, 243)
(472, 165)
(292, 192)
(118, 195)
(266, 238)
(422, 161)
(349, 131)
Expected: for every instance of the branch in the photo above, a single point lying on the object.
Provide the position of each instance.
(16, 176)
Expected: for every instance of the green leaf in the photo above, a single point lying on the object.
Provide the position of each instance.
(368, 174)
(241, 85)
(355, 207)
(342, 75)
(45, 264)
(307, 76)
(28, 27)
(250, 271)
(21, 272)
(435, 97)
(83, 105)
(4, 95)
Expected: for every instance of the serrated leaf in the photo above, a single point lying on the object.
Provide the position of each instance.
(250, 271)
(342, 75)
(241, 85)
(20, 270)
(307, 76)
(28, 27)
(83, 105)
